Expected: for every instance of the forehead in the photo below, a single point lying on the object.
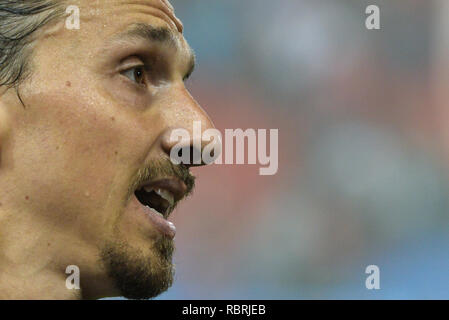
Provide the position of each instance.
(108, 12)
(103, 21)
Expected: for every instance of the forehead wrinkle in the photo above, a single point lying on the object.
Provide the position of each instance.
(160, 10)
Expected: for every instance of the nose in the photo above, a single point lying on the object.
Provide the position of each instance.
(190, 137)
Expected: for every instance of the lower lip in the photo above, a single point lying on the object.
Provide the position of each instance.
(160, 223)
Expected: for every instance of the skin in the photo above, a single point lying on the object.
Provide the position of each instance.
(69, 157)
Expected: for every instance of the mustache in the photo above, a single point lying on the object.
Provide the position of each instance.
(161, 169)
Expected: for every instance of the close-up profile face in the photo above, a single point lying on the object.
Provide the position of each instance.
(85, 145)
(211, 151)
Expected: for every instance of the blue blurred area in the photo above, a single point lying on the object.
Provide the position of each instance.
(363, 151)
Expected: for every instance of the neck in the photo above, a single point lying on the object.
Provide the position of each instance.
(34, 257)
(41, 285)
(35, 253)
(31, 264)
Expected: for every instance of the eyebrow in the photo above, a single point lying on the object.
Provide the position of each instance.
(151, 33)
(162, 35)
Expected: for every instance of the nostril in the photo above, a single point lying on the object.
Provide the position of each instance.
(189, 156)
(178, 144)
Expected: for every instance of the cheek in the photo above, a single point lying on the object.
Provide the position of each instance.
(76, 154)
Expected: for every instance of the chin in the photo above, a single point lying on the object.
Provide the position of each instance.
(138, 273)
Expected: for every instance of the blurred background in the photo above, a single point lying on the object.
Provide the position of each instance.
(363, 119)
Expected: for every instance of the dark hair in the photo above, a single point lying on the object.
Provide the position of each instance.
(19, 19)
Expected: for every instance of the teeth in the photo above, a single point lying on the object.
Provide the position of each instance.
(158, 213)
(164, 194)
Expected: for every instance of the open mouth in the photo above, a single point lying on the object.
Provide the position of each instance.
(158, 199)
(161, 200)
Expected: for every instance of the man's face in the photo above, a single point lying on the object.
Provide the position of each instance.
(100, 105)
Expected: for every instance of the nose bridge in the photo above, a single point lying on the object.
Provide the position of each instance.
(197, 114)
(187, 117)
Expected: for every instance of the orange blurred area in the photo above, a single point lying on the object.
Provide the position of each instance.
(363, 151)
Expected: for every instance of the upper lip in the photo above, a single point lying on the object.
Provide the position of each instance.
(174, 185)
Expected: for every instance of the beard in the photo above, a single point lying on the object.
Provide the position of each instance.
(138, 275)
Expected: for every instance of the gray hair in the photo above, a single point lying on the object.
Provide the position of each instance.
(19, 19)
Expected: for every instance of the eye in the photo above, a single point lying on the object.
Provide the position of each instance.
(136, 74)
